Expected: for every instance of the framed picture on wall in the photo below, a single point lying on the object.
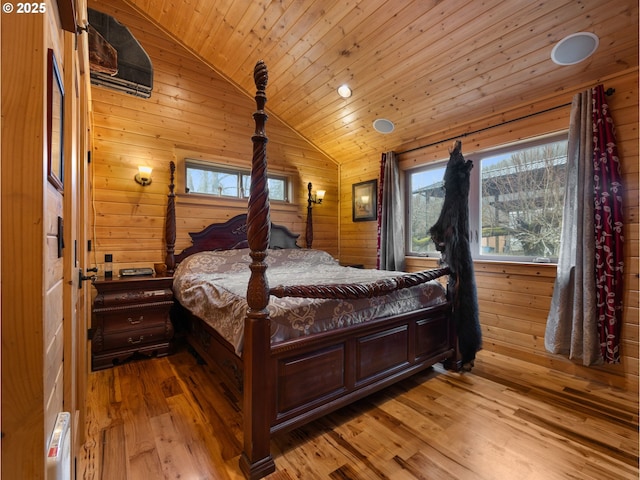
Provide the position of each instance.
(365, 201)
(55, 123)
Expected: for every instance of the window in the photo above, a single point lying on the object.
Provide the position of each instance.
(518, 212)
(210, 179)
(427, 196)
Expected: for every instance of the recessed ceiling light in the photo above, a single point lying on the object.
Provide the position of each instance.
(344, 91)
(574, 48)
(383, 125)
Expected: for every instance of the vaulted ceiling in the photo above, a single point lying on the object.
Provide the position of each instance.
(425, 65)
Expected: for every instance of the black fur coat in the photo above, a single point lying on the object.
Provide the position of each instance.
(451, 237)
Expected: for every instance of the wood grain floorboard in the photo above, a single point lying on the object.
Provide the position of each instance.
(173, 418)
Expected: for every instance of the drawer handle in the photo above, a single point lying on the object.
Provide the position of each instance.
(135, 322)
(134, 342)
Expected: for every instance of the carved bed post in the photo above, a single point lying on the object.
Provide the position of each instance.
(256, 460)
(309, 229)
(170, 227)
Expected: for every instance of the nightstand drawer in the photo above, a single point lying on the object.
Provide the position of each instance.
(137, 297)
(134, 338)
(134, 318)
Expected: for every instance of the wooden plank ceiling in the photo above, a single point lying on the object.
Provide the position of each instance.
(426, 65)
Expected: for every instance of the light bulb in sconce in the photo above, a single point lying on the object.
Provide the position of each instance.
(317, 198)
(143, 177)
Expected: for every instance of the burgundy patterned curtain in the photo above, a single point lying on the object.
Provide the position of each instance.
(383, 161)
(608, 224)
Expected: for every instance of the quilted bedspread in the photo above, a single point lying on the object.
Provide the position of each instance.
(213, 285)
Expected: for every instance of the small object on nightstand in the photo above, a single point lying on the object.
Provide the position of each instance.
(131, 315)
(136, 272)
(108, 265)
(161, 269)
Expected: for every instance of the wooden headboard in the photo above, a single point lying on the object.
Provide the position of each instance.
(232, 234)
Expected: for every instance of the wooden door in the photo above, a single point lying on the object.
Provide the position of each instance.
(73, 293)
(77, 291)
(56, 251)
(81, 214)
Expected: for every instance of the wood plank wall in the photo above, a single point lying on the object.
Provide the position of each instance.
(514, 298)
(24, 205)
(192, 112)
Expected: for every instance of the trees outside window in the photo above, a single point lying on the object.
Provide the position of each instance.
(210, 179)
(426, 199)
(522, 201)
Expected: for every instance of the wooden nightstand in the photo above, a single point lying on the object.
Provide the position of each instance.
(130, 314)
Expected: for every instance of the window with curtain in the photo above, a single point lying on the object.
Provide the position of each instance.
(515, 203)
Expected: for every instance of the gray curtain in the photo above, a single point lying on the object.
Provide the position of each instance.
(572, 324)
(391, 222)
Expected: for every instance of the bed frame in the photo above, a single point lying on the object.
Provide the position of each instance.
(292, 383)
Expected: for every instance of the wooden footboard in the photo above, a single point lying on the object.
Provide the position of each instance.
(323, 372)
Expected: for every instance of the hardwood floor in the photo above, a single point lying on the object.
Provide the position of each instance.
(171, 418)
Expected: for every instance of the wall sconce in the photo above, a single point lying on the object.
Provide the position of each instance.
(143, 177)
(317, 198)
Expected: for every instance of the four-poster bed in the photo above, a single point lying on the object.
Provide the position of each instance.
(287, 380)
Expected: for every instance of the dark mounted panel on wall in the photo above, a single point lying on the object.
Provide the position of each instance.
(133, 72)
